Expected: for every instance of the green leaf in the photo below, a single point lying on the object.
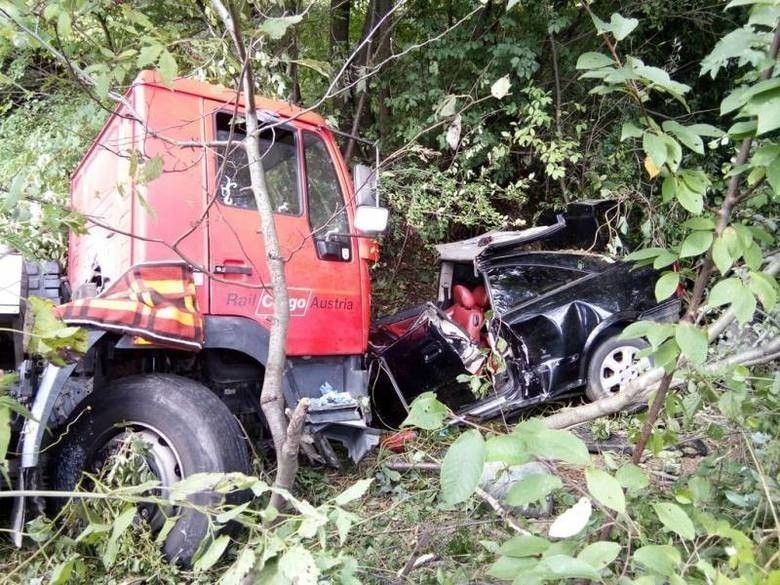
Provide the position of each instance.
(507, 568)
(320, 67)
(192, 484)
(121, 523)
(645, 253)
(744, 306)
(669, 188)
(692, 341)
(666, 285)
(706, 130)
(664, 260)
(462, 467)
(725, 292)
(525, 545)
(353, 492)
(500, 87)
(632, 477)
(763, 286)
(64, 29)
(605, 489)
(654, 147)
(426, 412)
(152, 169)
(566, 567)
(212, 554)
(560, 445)
(636, 330)
(239, 569)
(62, 572)
(299, 566)
(629, 130)
(167, 67)
(696, 243)
(508, 449)
(276, 28)
(344, 521)
(742, 130)
(721, 255)
(619, 26)
(149, 54)
(773, 176)
(674, 519)
(594, 61)
(51, 10)
(532, 488)
(662, 559)
(599, 554)
(5, 431)
(699, 223)
(768, 113)
(684, 135)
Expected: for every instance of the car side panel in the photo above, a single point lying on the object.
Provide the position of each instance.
(554, 328)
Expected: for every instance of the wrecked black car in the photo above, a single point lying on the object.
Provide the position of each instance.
(538, 321)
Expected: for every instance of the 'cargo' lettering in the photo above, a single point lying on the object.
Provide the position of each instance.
(298, 300)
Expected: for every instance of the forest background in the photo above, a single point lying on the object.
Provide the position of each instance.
(487, 114)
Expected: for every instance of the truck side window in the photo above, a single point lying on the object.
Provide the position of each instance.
(514, 285)
(327, 212)
(280, 163)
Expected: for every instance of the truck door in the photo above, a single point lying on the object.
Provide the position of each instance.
(312, 222)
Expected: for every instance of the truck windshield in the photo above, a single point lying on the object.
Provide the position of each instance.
(280, 163)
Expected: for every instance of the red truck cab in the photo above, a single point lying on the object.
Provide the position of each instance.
(202, 202)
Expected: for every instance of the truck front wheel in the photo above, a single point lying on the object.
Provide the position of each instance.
(184, 429)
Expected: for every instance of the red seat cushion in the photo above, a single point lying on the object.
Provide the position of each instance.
(462, 296)
(466, 312)
(481, 298)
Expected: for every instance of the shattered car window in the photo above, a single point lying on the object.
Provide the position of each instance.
(513, 285)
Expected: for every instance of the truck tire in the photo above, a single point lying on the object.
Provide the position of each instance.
(614, 364)
(186, 428)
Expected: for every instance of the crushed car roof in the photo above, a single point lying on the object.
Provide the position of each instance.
(470, 249)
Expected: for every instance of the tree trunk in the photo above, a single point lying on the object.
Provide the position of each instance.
(271, 396)
(382, 53)
(339, 29)
(292, 67)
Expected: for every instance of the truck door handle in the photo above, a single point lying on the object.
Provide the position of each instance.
(232, 269)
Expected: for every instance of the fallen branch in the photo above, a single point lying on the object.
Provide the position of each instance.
(287, 466)
(642, 387)
(501, 511)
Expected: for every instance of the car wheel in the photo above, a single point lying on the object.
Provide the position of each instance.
(613, 365)
(184, 429)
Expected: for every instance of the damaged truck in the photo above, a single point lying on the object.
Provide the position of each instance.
(170, 280)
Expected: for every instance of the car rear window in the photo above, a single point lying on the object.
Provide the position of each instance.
(514, 285)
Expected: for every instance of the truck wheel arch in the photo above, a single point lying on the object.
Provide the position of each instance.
(237, 334)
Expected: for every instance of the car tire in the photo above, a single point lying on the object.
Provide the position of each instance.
(614, 364)
(187, 430)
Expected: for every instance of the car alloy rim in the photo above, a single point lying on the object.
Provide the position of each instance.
(620, 366)
(161, 459)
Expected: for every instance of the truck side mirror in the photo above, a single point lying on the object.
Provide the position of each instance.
(371, 219)
(364, 179)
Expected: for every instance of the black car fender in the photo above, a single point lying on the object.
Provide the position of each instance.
(612, 324)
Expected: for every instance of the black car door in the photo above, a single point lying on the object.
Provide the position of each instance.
(545, 324)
